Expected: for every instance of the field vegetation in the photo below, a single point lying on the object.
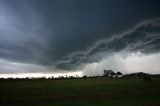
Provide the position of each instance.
(80, 92)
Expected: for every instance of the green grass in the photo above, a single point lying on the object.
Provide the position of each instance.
(86, 92)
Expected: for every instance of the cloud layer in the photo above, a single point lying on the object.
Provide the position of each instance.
(144, 38)
(69, 35)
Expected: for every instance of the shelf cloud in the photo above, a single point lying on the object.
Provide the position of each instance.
(53, 36)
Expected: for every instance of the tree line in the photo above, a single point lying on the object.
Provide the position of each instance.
(107, 74)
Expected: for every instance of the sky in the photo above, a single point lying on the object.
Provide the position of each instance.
(83, 36)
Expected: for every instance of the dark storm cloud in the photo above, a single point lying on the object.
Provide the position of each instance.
(21, 32)
(144, 38)
(66, 34)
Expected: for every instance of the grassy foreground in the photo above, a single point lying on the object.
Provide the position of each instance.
(81, 92)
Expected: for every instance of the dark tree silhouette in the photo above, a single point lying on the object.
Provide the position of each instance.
(119, 74)
(109, 73)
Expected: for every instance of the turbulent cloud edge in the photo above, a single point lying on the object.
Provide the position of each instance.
(92, 54)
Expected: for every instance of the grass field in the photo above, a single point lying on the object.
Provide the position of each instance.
(81, 92)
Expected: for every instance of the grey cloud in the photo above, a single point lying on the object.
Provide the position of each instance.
(14, 67)
(144, 38)
(21, 33)
(72, 33)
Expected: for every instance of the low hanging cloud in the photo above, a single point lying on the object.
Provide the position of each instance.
(144, 37)
(14, 67)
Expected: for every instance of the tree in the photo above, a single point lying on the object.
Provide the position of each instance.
(109, 73)
(119, 74)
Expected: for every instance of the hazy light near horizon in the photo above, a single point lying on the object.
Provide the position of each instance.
(8, 69)
(46, 75)
(145, 63)
(125, 62)
(128, 62)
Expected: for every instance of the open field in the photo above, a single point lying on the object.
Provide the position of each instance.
(81, 92)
